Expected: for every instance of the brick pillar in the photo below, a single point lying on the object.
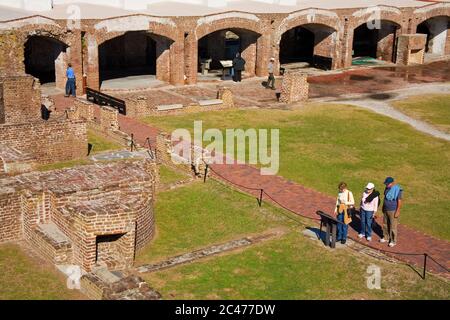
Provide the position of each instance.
(347, 45)
(248, 45)
(263, 52)
(12, 60)
(191, 58)
(92, 72)
(177, 62)
(294, 87)
(75, 57)
(162, 59)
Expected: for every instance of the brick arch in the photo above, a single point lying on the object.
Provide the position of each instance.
(386, 13)
(213, 23)
(164, 27)
(430, 11)
(308, 16)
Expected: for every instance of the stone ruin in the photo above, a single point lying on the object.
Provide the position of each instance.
(26, 138)
(94, 217)
(295, 87)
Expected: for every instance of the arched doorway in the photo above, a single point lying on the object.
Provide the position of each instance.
(375, 41)
(46, 59)
(134, 59)
(308, 45)
(223, 45)
(436, 29)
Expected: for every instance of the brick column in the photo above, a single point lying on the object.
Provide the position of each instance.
(190, 58)
(75, 57)
(248, 45)
(263, 52)
(12, 60)
(177, 62)
(92, 72)
(347, 44)
(162, 59)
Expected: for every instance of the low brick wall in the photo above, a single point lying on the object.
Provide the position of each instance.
(55, 252)
(48, 141)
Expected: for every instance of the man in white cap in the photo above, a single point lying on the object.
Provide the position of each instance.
(271, 80)
(368, 209)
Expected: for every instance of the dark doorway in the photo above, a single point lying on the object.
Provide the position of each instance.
(131, 54)
(45, 58)
(377, 41)
(312, 44)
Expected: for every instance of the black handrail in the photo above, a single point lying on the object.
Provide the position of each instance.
(102, 99)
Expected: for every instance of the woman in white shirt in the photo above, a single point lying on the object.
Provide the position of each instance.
(368, 208)
(344, 203)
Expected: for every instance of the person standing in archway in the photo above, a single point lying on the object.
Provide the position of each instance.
(70, 84)
(238, 66)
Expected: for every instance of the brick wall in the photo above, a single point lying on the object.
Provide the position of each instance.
(411, 49)
(10, 216)
(20, 99)
(48, 141)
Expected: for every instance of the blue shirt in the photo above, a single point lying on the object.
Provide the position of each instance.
(391, 205)
(70, 73)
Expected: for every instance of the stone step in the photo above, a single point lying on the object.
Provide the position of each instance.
(52, 242)
(210, 102)
(166, 107)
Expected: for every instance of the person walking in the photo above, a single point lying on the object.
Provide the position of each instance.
(345, 202)
(238, 67)
(368, 209)
(271, 79)
(70, 83)
(391, 211)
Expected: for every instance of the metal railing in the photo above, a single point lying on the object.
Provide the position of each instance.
(102, 99)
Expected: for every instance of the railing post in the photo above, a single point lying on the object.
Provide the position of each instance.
(425, 257)
(206, 173)
(132, 142)
(260, 197)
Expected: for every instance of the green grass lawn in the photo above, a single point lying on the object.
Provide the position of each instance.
(101, 144)
(434, 109)
(217, 213)
(22, 277)
(168, 175)
(321, 145)
(289, 267)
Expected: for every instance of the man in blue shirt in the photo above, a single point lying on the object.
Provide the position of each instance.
(391, 210)
(70, 84)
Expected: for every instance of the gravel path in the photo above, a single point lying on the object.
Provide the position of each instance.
(381, 103)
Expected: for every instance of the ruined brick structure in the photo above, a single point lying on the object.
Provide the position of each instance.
(26, 139)
(91, 215)
(411, 49)
(174, 43)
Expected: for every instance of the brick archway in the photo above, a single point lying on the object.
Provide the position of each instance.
(436, 19)
(250, 27)
(169, 43)
(325, 27)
